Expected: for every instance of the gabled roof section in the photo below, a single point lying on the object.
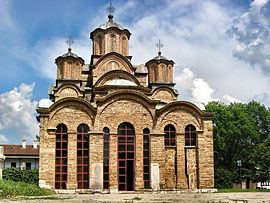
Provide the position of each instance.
(18, 150)
(127, 92)
(71, 99)
(189, 104)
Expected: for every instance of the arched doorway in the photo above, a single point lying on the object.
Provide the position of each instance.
(126, 157)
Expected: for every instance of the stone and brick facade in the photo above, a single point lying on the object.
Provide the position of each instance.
(116, 126)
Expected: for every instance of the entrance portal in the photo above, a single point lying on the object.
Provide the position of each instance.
(126, 157)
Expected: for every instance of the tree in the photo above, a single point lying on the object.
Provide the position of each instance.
(241, 132)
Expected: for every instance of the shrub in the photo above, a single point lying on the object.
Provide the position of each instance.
(223, 178)
(12, 188)
(17, 175)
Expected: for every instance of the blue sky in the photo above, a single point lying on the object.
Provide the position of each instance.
(221, 49)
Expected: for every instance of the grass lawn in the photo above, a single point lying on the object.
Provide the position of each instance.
(10, 188)
(242, 190)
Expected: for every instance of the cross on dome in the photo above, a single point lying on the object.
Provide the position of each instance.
(69, 43)
(159, 45)
(110, 8)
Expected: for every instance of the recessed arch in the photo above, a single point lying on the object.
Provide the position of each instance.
(117, 57)
(128, 95)
(116, 74)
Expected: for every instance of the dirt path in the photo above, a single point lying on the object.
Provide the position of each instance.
(258, 197)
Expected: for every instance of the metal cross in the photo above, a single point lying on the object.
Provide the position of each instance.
(69, 42)
(110, 8)
(159, 45)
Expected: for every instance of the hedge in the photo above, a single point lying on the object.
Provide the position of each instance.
(14, 174)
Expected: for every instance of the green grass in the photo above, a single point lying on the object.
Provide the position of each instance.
(10, 188)
(42, 198)
(242, 190)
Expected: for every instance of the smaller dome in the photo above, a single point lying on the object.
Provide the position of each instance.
(70, 54)
(159, 57)
(110, 24)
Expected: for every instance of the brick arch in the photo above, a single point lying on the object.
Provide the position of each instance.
(76, 105)
(72, 86)
(174, 113)
(145, 109)
(113, 56)
(114, 74)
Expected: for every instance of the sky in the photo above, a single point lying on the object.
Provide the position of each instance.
(221, 49)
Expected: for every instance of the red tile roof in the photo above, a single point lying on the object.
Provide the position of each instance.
(18, 150)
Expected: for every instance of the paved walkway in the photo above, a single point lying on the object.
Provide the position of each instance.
(249, 197)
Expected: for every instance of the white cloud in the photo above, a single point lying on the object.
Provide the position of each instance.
(3, 139)
(230, 99)
(202, 92)
(252, 32)
(195, 35)
(17, 112)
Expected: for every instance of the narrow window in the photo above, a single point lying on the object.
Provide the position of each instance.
(112, 38)
(123, 46)
(61, 157)
(146, 158)
(61, 65)
(190, 136)
(169, 131)
(83, 156)
(100, 44)
(155, 74)
(106, 158)
(77, 71)
(69, 70)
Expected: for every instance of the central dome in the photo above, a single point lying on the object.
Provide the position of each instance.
(110, 23)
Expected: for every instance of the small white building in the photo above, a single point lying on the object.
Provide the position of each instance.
(22, 156)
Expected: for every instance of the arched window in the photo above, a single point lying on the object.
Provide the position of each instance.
(61, 67)
(124, 45)
(169, 131)
(106, 158)
(126, 157)
(146, 158)
(61, 157)
(190, 136)
(83, 156)
(112, 39)
(100, 44)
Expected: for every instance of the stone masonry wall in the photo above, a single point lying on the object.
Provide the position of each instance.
(191, 161)
(205, 156)
(141, 115)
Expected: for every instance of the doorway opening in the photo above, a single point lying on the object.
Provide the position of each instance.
(126, 157)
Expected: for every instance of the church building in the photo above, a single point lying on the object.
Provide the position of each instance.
(112, 126)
